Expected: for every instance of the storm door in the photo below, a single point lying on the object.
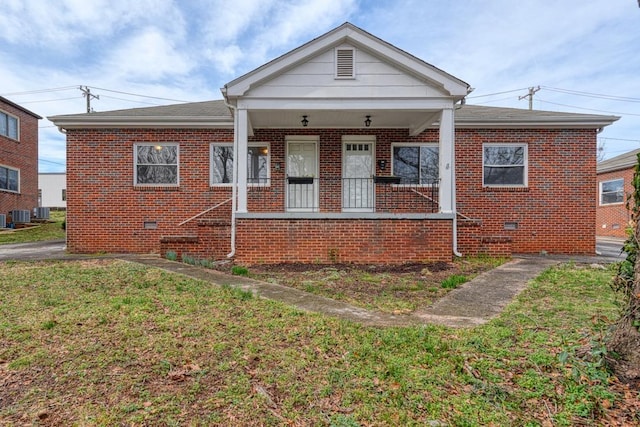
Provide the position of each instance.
(357, 177)
(302, 176)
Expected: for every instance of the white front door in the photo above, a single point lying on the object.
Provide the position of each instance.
(357, 173)
(302, 174)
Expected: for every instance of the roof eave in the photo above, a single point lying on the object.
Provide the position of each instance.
(88, 122)
(531, 124)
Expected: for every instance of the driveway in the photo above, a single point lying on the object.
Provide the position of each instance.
(49, 249)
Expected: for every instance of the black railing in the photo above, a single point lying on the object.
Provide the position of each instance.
(310, 194)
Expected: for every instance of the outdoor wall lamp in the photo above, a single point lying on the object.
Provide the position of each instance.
(304, 121)
(367, 121)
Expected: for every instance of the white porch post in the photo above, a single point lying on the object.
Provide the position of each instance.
(241, 158)
(447, 161)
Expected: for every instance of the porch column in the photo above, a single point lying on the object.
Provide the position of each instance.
(447, 161)
(242, 127)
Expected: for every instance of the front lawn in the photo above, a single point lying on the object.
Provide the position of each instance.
(46, 231)
(113, 343)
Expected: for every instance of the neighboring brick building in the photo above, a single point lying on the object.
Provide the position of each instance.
(615, 184)
(345, 153)
(18, 158)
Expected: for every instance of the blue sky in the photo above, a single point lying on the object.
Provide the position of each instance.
(584, 55)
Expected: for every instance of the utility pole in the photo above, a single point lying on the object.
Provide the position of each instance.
(532, 91)
(86, 92)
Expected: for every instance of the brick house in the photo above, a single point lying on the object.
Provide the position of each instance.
(345, 152)
(18, 158)
(615, 184)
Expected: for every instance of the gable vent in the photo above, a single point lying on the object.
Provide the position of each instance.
(345, 63)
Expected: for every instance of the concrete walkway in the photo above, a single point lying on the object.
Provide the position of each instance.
(474, 303)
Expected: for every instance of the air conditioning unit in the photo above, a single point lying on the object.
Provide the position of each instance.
(42, 213)
(20, 216)
(3, 221)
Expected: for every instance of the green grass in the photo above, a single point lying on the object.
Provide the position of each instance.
(48, 231)
(113, 343)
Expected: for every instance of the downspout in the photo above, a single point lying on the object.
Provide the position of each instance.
(453, 187)
(234, 187)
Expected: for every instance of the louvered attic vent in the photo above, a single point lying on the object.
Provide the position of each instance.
(345, 64)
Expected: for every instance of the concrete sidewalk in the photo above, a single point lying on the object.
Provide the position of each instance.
(474, 303)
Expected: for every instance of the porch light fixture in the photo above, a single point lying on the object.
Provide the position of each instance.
(304, 121)
(367, 121)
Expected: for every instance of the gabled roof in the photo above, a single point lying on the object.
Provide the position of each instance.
(217, 114)
(348, 33)
(19, 107)
(205, 114)
(475, 116)
(623, 161)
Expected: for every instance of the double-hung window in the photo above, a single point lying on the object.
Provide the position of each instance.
(8, 125)
(612, 192)
(416, 163)
(156, 164)
(504, 165)
(9, 179)
(222, 164)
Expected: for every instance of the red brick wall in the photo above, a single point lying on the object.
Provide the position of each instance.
(22, 155)
(353, 241)
(555, 213)
(612, 220)
(106, 212)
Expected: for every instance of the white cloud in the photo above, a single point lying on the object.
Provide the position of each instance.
(147, 55)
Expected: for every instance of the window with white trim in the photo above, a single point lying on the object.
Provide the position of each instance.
(612, 192)
(156, 164)
(504, 165)
(8, 125)
(415, 163)
(9, 179)
(222, 164)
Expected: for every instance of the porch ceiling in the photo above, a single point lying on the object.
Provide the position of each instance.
(291, 119)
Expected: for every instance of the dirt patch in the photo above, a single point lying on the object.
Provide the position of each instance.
(390, 288)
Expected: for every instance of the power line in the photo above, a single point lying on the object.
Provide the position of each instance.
(497, 93)
(130, 100)
(30, 92)
(589, 109)
(143, 96)
(47, 100)
(592, 95)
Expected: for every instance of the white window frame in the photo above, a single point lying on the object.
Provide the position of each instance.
(525, 165)
(155, 144)
(415, 144)
(6, 118)
(9, 168)
(230, 145)
(601, 183)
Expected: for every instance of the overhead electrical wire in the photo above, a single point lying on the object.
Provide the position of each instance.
(591, 94)
(587, 109)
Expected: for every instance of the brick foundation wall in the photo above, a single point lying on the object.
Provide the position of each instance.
(351, 241)
(22, 155)
(555, 213)
(613, 220)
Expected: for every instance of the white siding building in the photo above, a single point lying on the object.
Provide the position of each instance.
(52, 190)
